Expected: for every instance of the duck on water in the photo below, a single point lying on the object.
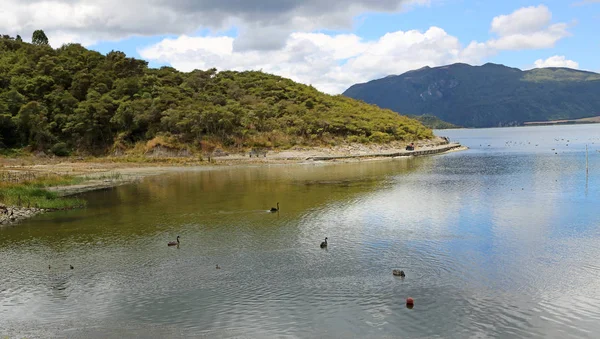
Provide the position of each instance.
(274, 209)
(174, 243)
(399, 273)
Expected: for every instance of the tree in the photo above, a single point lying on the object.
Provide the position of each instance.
(19, 39)
(39, 38)
(32, 123)
(73, 99)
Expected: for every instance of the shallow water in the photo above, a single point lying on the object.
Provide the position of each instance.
(501, 240)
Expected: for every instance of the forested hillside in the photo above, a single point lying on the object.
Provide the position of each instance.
(486, 96)
(433, 122)
(72, 99)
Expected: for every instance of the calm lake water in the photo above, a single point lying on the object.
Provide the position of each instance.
(501, 240)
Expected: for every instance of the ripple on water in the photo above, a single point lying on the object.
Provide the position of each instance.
(481, 260)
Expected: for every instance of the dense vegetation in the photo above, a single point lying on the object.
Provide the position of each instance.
(486, 96)
(73, 99)
(433, 122)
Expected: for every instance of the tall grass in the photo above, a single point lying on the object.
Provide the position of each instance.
(28, 189)
(37, 179)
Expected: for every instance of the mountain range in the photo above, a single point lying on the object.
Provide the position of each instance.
(490, 95)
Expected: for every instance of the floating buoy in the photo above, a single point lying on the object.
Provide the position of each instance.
(410, 302)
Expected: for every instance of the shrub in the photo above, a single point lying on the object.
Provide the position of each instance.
(60, 149)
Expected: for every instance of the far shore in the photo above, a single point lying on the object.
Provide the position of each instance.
(108, 172)
(591, 120)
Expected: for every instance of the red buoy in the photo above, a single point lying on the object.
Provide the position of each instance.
(410, 301)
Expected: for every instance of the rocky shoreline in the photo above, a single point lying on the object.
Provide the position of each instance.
(12, 215)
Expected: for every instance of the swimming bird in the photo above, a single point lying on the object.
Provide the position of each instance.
(275, 209)
(218, 267)
(71, 266)
(324, 243)
(173, 243)
(399, 273)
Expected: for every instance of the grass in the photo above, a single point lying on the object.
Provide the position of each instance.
(12, 152)
(105, 176)
(110, 176)
(28, 189)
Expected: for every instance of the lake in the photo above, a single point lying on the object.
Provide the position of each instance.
(501, 240)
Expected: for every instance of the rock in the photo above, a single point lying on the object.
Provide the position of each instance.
(16, 214)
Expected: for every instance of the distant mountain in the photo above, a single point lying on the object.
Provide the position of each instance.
(486, 96)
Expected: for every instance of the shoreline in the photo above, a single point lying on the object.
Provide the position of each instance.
(133, 174)
(104, 175)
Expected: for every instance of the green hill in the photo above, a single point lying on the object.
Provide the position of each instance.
(486, 96)
(73, 99)
(433, 122)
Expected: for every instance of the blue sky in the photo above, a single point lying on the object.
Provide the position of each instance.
(470, 20)
(321, 42)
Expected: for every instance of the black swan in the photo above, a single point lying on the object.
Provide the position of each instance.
(275, 209)
(324, 243)
(173, 243)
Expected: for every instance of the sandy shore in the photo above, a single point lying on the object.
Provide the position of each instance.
(114, 171)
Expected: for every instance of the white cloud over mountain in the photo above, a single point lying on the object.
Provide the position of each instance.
(277, 36)
(330, 63)
(333, 63)
(556, 61)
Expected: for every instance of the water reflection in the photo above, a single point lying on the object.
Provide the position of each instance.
(495, 242)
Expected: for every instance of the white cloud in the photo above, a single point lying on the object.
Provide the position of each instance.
(526, 28)
(556, 61)
(275, 35)
(263, 24)
(330, 63)
(477, 51)
(522, 21)
(333, 63)
(545, 38)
